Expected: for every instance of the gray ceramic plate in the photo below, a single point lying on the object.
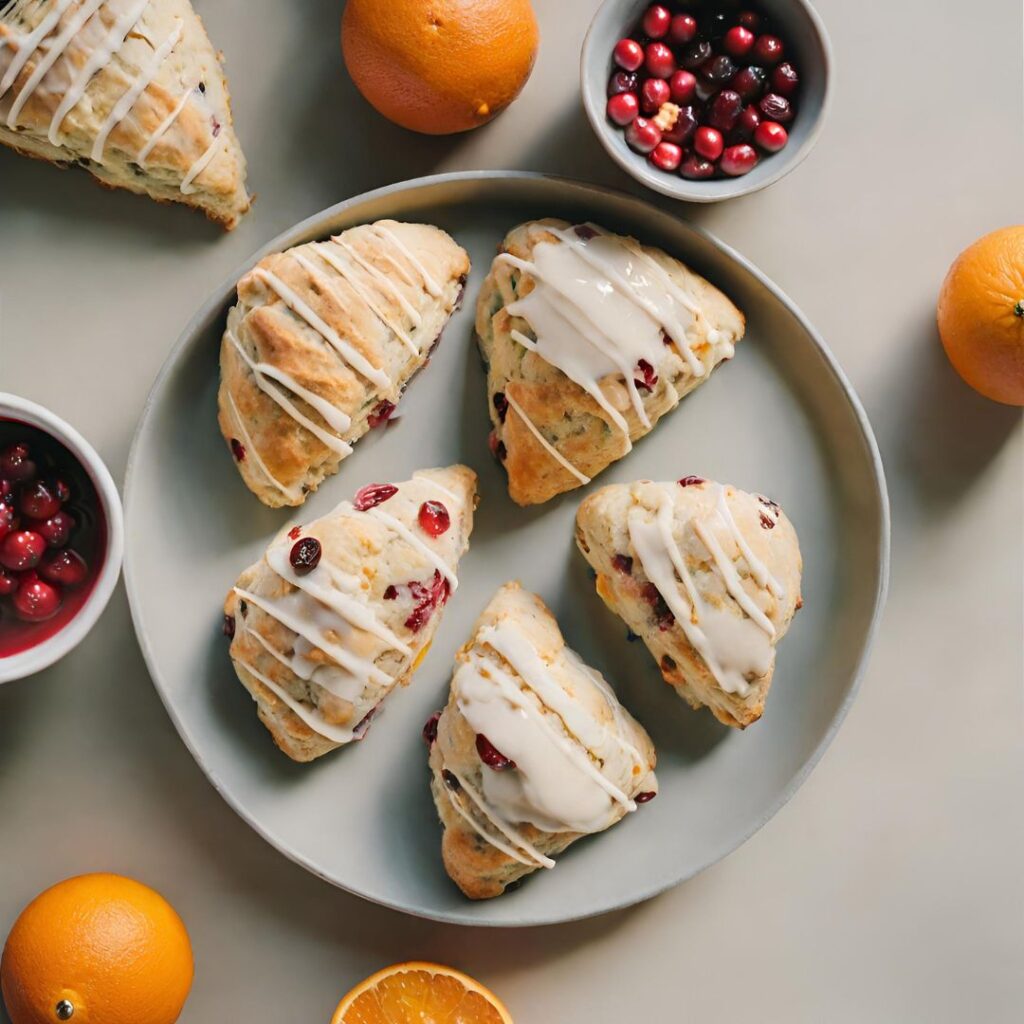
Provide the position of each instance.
(780, 418)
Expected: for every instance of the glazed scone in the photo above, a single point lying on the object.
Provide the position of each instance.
(131, 90)
(322, 342)
(532, 751)
(589, 339)
(706, 575)
(341, 610)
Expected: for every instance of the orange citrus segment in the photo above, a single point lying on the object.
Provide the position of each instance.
(420, 993)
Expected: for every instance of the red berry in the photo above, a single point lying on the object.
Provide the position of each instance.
(666, 156)
(8, 520)
(682, 29)
(716, 71)
(658, 60)
(6, 491)
(8, 583)
(749, 82)
(373, 494)
(767, 49)
(737, 160)
(21, 550)
(690, 481)
(696, 168)
(785, 80)
(657, 20)
(695, 54)
(645, 798)
(305, 554)
(774, 107)
(491, 756)
(643, 135)
(66, 567)
(430, 729)
(738, 41)
(433, 518)
(771, 136)
(686, 124)
(708, 142)
(623, 564)
(623, 81)
(382, 412)
(724, 111)
(38, 500)
(654, 93)
(748, 19)
(16, 462)
(623, 108)
(237, 450)
(61, 489)
(746, 123)
(628, 54)
(35, 601)
(682, 86)
(56, 530)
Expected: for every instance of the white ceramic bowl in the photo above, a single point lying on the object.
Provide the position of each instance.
(44, 654)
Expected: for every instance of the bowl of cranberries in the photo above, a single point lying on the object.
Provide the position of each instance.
(704, 101)
(61, 537)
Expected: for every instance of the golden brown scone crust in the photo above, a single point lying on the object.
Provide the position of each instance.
(284, 461)
(191, 68)
(477, 867)
(364, 548)
(602, 534)
(568, 418)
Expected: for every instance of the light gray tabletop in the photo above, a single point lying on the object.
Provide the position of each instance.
(888, 890)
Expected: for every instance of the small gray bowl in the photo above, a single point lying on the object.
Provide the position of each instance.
(806, 41)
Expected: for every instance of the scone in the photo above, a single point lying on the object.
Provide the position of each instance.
(532, 751)
(589, 338)
(131, 90)
(707, 575)
(339, 611)
(322, 342)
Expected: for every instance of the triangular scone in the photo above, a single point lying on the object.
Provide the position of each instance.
(321, 344)
(590, 338)
(707, 575)
(131, 90)
(340, 610)
(532, 752)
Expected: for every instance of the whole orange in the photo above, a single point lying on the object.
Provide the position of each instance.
(439, 66)
(981, 315)
(97, 949)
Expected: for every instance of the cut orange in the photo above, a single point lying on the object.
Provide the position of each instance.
(420, 993)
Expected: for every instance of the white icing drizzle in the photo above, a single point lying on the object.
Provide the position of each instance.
(250, 449)
(429, 283)
(260, 372)
(142, 81)
(733, 647)
(97, 61)
(434, 483)
(28, 45)
(548, 447)
(411, 311)
(53, 53)
(187, 188)
(164, 126)
(343, 349)
(407, 535)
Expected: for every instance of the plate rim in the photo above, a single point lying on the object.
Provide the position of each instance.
(287, 238)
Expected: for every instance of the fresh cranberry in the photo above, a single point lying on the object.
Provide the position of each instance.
(746, 124)
(767, 49)
(725, 110)
(642, 135)
(373, 494)
(657, 20)
(433, 518)
(9, 582)
(686, 124)
(771, 136)
(738, 41)
(34, 600)
(691, 481)
(655, 92)
(500, 405)
(682, 86)
(696, 168)
(623, 108)
(666, 156)
(648, 378)
(623, 564)
(491, 756)
(785, 80)
(304, 556)
(623, 81)
(658, 60)
(227, 627)
(430, 729)
(426, 599)
(708, 142)
(775, 108)
(382, 412)
(737, 160)
(57, 529)
(16, 462)
(38, 500)
(237, 450)
(749, 82)
(717, 70)
(695, 55)
(645, 798)
(748, 19)
(66, 567)
(22, 549)
(628, 54)
(8, 520)
(682, 29)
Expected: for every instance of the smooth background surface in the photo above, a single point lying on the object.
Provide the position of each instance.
(888, 889)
